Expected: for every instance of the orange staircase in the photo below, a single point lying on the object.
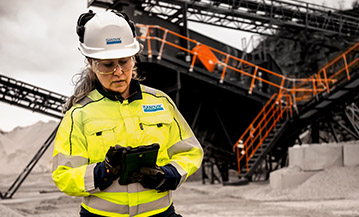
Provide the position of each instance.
(289, 93)
(250, 146)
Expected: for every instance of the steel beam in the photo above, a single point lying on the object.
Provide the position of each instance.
(31, 97)
(264, 17)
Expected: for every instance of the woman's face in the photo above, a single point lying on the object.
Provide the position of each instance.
(114, 74)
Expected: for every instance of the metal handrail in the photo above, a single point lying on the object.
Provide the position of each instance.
(150, 35)
(301, 89)
(259, 129)
(249, 142)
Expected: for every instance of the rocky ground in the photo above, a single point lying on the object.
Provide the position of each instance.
(331, 193)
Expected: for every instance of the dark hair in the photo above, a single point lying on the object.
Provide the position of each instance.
(85, 81)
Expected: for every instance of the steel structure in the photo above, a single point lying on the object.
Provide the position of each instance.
(276, 127)
(264, 17)
(296, 103)
(339, 125)
(31, 97)
(36, 99)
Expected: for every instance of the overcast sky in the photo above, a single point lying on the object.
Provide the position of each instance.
(39, 46)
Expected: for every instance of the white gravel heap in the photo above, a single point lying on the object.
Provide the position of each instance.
(332, 183)
(7, 212)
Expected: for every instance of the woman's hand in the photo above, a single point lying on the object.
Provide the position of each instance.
(113, 160)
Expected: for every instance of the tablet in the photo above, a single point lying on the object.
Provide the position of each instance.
(133, 159)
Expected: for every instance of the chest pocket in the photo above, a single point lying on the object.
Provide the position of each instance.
(100, 136)
(156, 128)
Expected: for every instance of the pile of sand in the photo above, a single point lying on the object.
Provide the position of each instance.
(7, 212)
(20, 145)
(330, 184)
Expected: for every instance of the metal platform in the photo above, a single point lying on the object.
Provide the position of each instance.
(264, 145)
(262, 17)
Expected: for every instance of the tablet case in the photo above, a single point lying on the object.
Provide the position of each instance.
(136, 158)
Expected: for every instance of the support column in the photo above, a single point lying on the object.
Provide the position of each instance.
(315, 132)
(178, 88)
(329, 121)
(351, 122)
(185, 30)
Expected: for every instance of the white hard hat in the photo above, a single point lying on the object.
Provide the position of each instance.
(107, 35)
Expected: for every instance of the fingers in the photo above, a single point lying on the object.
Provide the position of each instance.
(149, 171)
(118, 147)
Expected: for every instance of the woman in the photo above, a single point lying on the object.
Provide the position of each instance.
(110, 112)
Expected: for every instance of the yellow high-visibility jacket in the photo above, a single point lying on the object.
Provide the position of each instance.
(90, 127)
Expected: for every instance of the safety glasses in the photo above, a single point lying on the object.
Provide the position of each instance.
(107, 67)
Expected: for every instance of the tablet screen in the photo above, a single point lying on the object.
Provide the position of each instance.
(136, 158)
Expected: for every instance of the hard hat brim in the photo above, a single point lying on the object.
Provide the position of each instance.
(110, 54)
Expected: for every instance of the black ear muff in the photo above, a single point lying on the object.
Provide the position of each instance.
(130, 22)
(83, 19)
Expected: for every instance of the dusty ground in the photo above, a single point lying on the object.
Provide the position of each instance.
(39, 197)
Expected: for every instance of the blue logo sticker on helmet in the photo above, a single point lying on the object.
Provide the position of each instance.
(153, 108)
(113, 41)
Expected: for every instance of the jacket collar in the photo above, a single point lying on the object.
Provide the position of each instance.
(135, 92)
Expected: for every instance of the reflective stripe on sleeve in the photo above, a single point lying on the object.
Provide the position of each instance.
(69, 161)
(181, 171)
(89, 179)
(183, 146)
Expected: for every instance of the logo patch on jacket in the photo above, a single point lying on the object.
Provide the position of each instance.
(153, 108)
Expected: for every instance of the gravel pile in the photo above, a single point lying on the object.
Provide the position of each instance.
(19, 146)
(332, 183)
(7, 212)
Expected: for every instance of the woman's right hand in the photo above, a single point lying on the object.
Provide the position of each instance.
(113, 160)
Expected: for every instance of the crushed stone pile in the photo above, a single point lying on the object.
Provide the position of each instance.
(20, 145)
(336, 183)
(329, 184)
(4, 211)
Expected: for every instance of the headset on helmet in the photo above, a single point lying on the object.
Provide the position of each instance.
(80, 28)
(110, 50)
